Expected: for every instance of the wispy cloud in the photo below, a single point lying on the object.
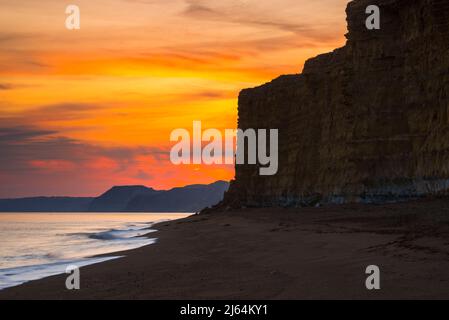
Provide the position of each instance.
(12, 38)
(32, 157)
(6, 86)
(237, 13)
(20, 134)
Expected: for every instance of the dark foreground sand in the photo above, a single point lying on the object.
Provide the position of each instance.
(277, 254)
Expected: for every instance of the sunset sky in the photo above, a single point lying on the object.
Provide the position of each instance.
(83, 110)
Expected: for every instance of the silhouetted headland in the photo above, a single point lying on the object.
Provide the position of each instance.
(190, 198)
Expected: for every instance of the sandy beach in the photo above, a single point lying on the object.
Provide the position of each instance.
(306, 253)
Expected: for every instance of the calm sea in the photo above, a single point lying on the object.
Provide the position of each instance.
(37, 245)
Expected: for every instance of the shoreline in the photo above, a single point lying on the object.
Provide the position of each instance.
(49, 252)
(275, 253)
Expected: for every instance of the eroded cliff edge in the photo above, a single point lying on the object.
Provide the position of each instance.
(367, 122)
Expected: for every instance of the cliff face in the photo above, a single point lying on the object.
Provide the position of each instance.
(367, 122)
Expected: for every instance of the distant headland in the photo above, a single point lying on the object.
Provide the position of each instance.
(191, 198)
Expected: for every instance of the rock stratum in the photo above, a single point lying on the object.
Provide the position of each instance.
(368, 122)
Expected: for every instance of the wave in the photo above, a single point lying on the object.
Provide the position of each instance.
(117, 234)
(16, 276)
(80, 249)
(39, 245)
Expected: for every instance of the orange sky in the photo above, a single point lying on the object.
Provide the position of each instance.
(83, 110)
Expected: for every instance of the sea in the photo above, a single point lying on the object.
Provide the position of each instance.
(38, 245)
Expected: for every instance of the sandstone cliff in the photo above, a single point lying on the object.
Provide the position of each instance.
(367, 122)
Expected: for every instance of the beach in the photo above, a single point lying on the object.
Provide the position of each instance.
(276, 253)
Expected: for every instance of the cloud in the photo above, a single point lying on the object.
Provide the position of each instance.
(274, 25)
(5, 86)
(41, 162)
(13, 61)
(19, 51)
(25, 146)
(19, 134)
(36, 162)
(199, 10)
(64, 111)
(142, 175)
(13, 37)
(235, 14)
(51, 113)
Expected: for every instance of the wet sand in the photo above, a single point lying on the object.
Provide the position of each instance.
(306, 253)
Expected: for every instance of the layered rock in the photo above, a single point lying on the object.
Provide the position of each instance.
(367, 122)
